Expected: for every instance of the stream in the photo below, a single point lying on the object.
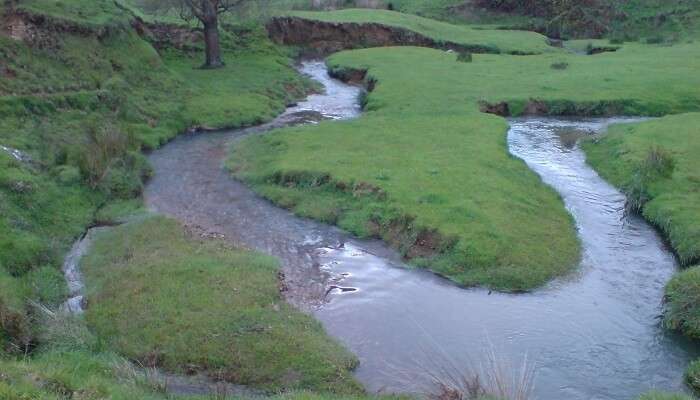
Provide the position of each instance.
(595, 335)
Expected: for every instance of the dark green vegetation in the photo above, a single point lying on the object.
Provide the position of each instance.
(692, 376)
(683, 303)
(81, 94)
(437, 148)
(219, 311)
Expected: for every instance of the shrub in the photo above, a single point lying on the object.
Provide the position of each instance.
(682, 298)
(655, 40)
(464, 56)
(692, 376)
(560, 65)
(102, 146)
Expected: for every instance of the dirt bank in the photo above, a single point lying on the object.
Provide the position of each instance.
(537, 107)
(323, 38)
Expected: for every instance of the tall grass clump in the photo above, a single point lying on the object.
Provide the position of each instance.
(682, 297)
(495, 377)
(692, 376)
(657, 164)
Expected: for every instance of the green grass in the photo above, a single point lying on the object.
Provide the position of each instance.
(442, 165)
(692, 375)
(497, 40)
(683, 303)
(77, 375)
(670, 201)
(655, 395)
(219, 311)
(89, 14)
(85, 375)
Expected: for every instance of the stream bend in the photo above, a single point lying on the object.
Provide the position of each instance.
(595, 335)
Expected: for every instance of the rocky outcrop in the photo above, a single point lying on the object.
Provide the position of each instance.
(323, 37)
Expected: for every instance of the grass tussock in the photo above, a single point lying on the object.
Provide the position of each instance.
(219, 312)
(496, 379)
(692, 376)
(683, 303)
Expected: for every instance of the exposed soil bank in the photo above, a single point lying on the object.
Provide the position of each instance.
(324, 38)
(561, 108)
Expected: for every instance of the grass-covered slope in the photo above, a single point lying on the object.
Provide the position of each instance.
(499, 40)
(161, 297)
(81, 94)
(423, 168)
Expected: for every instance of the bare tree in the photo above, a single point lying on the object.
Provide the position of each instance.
(207, 13)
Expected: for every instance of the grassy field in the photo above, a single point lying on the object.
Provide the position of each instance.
(440, 165)
(219, 311)
(497, 40)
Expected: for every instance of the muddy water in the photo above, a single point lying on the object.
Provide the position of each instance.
(591, 336)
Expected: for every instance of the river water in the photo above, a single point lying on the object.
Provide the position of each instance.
(595, 335)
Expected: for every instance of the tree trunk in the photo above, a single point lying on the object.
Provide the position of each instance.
(211, 43)
(211, 35)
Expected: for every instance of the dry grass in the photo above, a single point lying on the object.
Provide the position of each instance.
(496, 377)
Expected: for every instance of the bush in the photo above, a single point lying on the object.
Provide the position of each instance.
(682, 298)
(560, 65)
(655, 40)
(692, 376)
(464, 56)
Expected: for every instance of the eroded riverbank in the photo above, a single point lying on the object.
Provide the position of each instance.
(593, 335)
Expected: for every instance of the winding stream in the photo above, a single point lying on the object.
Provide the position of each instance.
(595, 335)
